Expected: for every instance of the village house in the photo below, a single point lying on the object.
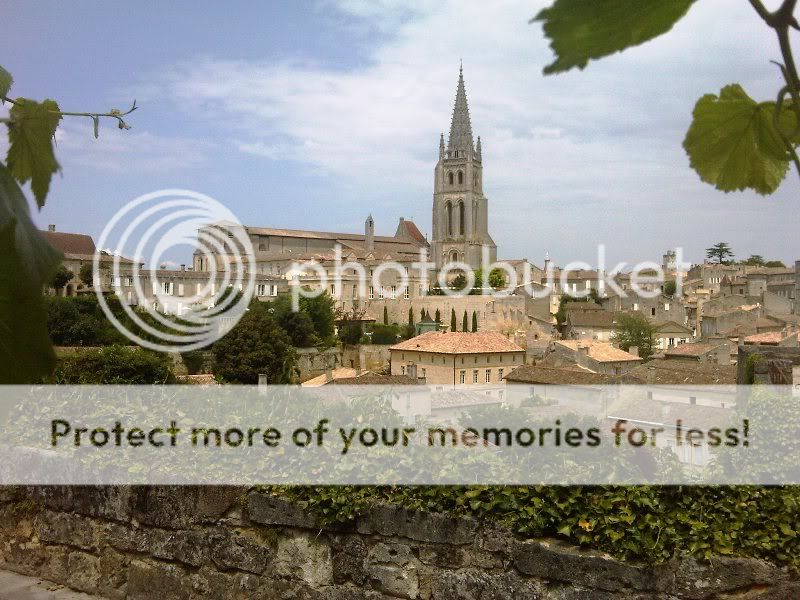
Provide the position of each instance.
(671, 334)
(593, 355)
(587, 321)
(712, 351)
(457, 358)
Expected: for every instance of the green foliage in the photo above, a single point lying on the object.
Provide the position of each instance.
(635, 330)
(350, 332)
(411, 316)
(320, 311)
(647, 523)
(453, 325)
(27, 263)
(670, 287)
(385, 315)
(438, 317)
(459, 282)
(30, 151)
(580, 31)
(734, 144)
(256, 345)
(755, 260)
(561, 314)
(61, 278)
(465, 322)
(474, 321)
(774, 264)
(86, 274)
(384, 334)
(194, 360)
(113, 365)
(5, 83)
(720, 251)
(497, 279)
(298, 325)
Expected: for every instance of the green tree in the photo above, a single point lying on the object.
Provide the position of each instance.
(351, 332)
(85, 274)
(497, 278)
(320, 310)
(113, 365)
(421, 314)
(438, 317)
(297, 324)
(411, 316)
(256, 345)
(755, 260)
(453, 326)
(459, 282)
(474, 321)
(385, 315)
(635, 330)
(465, 322)
(733, 142)
(774, 264)
(720, 251)
(384, 334)
(670, 287)
(61, 278)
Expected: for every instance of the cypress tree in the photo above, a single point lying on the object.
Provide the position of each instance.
(421, 314)
(465, 322)
(474, 321)
(385, 316)
(438, 317)
(411, 316)
(453, 324)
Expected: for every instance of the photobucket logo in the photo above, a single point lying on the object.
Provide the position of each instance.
(212, 300)
(392, 280)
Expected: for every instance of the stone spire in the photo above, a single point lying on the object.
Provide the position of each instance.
(460, 128)
(441, 146)
(478, 149)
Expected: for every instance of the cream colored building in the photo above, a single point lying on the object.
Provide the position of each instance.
(446, 358)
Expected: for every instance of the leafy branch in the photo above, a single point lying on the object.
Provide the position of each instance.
(734, 142)
(27, 261)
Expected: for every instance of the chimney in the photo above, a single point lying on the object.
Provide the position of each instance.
(583, 356)
(411, 370)
(51, 228)
(183, 267)
(634, 350)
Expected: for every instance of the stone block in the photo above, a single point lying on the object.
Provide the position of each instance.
(157, 580)
(695, 579)
(417, 525)
(83, 572)
(306, 558)
(272, 510)
(189, 547)
(555, 563)
(67, 529)
(240, 550)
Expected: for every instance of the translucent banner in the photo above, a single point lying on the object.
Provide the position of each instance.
(405, 434)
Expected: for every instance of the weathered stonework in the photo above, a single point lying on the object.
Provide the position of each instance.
(178, 543)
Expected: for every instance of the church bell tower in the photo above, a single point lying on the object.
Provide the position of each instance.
(460, 210)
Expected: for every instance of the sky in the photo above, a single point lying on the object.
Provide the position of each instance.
(311, 115)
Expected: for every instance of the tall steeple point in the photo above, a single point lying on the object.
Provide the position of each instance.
(460, 128)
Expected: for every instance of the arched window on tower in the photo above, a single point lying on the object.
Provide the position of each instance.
(449, 216)
(460, 177)
(450, 178)
(461, 215)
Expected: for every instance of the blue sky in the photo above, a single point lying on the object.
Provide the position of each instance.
(314, 114)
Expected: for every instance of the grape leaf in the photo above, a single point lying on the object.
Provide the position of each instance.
(580, 30)
(26, 263)
(5, 82)
(733, 144)
(30, 153)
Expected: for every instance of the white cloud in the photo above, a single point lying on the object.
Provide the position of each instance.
(585, 156)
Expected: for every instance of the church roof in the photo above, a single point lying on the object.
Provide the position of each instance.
(460, 127)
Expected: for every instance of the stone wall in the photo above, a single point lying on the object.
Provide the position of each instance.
(174, 543)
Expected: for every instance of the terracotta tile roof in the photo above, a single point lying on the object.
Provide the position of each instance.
(696, 349)
(557, 376)
(376, 379)
(681, 372)
(457, 398)
(600, 351)
(582, 306)
(673, 327)
(771, 338)
(592, 318)
(326, 235)
(667, 413)
(323, 379)
(410, 229)
(459, 343)
(70, 243)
